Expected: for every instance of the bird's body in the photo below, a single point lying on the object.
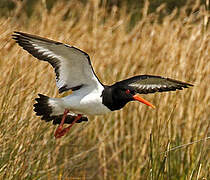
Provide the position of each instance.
(84, 101)
(74, 72)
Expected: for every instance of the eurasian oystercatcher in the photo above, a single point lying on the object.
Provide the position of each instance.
(74, 72)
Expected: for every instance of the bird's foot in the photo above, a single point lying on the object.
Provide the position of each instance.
(60, 131)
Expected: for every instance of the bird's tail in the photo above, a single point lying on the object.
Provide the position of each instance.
(45, 108)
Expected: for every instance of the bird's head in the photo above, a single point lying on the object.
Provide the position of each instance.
(116, 97)
(129, 94)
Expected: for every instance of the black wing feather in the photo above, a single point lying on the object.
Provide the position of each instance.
(144, 84)
(68, 62)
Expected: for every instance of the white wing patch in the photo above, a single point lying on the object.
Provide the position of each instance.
(72, 66)
(148, 86)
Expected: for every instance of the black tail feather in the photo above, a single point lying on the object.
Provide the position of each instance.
(42, 108)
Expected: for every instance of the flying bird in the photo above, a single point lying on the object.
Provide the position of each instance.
(90, 96)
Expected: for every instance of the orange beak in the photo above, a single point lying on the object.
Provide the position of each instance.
(137, 98)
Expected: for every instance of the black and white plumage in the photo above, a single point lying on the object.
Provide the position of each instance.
(90, 97)
(67, 61)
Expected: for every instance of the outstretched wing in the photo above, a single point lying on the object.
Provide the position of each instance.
(72, 66)
(144, 84)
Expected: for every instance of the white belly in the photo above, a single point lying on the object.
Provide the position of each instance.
(90, 104)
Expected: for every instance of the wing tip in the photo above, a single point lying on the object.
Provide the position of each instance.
(186, 85)
(180, 83)
(190, 85)
(19, 37)
(17, 34)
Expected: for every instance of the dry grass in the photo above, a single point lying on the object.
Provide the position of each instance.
(127, 144)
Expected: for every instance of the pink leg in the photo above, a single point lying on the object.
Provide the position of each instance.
(60, 131)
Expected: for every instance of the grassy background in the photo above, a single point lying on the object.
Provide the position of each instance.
(170, 142)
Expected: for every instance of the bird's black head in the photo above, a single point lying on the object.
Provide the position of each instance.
(116, 97)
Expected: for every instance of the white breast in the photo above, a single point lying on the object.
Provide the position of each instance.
(86, 101)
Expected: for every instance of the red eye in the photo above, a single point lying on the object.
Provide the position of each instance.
(127, 91)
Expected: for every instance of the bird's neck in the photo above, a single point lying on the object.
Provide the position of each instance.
(110, 98)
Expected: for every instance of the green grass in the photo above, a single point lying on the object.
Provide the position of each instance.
(137, 142)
